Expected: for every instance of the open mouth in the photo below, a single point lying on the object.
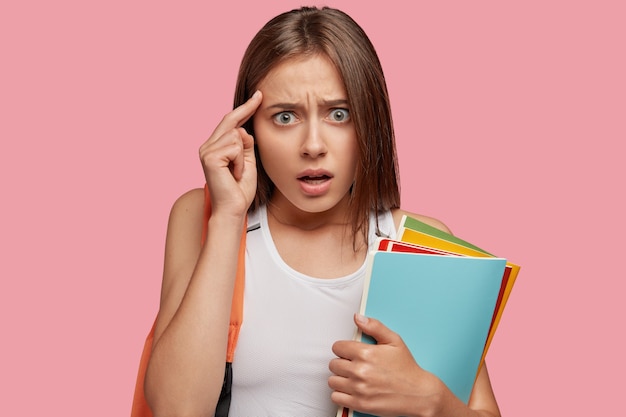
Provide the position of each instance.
(314, 179)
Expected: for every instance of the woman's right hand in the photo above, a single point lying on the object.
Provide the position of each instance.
(229, 162)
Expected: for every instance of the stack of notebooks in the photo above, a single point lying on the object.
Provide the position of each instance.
(442, 295)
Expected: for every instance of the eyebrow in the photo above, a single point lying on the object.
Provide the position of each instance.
(325, 103)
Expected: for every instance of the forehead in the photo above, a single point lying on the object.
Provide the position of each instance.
(308, 74)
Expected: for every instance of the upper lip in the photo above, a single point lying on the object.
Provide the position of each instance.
(312, 173)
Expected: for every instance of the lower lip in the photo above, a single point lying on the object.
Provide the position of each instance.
(315, 188)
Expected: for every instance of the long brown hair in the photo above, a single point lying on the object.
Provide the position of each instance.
(336, 35)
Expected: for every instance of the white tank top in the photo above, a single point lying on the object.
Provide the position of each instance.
(290, 323)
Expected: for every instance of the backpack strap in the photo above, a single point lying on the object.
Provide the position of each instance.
(140, 406)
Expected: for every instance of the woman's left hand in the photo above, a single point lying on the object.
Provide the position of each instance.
(382, 379)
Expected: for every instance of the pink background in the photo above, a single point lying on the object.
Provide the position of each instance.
(508, 117)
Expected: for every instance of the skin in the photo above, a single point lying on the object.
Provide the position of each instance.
(304, 126)
(307, 143)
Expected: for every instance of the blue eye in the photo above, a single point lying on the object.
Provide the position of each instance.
(339, 115)
(284, 118)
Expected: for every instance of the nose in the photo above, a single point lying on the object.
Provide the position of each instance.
(313, 144)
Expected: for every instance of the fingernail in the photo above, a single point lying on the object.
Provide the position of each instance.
(361, 318)
(256, 94)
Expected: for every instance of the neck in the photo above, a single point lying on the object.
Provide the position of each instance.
(286, 214)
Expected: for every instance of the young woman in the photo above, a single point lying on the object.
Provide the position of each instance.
(306, 161)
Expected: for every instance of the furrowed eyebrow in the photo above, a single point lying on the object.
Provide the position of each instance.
(325, 103)
(335, 103)
(283, 106)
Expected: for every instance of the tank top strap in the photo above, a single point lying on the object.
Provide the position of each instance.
(254, 220)
(383, 226)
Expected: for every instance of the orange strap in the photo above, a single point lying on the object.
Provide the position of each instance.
(140, 406)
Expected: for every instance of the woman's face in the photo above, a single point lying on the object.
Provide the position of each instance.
(305, 135)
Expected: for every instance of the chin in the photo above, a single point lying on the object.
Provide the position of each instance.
(318, 204)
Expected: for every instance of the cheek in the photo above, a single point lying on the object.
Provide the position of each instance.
(259, 135)
(271, 144)
(265, 158)
(267, 152)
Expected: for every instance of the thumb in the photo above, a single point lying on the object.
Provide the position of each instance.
(246, 139)
(248, 151)
(376, 329)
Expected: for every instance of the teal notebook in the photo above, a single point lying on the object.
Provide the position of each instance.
(442, 306)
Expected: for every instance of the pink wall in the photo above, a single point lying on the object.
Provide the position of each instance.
(508, 120)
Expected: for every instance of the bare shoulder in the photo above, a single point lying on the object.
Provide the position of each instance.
(184, 229)
(191, 202)
(431, 221)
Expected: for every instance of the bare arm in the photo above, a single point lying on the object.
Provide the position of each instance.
(186, 368)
